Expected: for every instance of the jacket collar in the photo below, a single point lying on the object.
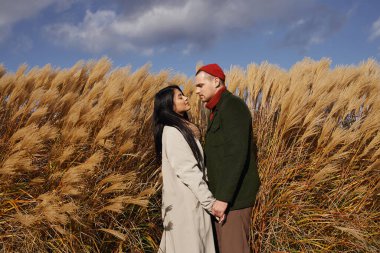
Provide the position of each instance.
(216, 108)
(215, 99)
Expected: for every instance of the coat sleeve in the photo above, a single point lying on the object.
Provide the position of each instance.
(236, 125)
(186, 168)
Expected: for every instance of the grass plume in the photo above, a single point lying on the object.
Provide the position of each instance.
(78, 170)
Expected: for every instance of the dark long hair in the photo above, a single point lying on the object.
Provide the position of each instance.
(164, 115)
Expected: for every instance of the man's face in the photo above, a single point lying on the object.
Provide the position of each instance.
(205, 86)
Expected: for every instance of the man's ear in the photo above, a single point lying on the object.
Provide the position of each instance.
(217, 82)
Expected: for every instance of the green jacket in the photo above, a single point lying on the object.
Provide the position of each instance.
(231, 154)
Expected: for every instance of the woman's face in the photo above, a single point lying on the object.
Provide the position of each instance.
(181, 102)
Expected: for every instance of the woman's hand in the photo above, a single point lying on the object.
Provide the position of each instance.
(219, 208)
(218, 211)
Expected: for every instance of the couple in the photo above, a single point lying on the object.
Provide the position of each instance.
(226, 189)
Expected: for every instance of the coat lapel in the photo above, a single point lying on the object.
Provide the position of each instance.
(226, 93)
(213, 119)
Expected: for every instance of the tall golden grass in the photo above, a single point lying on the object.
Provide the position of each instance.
(78, 174)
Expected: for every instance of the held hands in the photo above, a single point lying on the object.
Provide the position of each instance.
(218, 210)
(222, 219)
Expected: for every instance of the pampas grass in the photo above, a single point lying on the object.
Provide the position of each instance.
(78, 170)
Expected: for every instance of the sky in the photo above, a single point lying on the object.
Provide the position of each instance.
(178, 34)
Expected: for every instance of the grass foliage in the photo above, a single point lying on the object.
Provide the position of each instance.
(77, 168)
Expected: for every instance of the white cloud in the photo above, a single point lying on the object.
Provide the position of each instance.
(189, 48)
(13, 11)
(298, 23)
(268, 33)
(22, 43)
(313, 29)
(4, 32)
(195, 23)
(94, 34)
(158, 25)
(375, 30)
(63, 5)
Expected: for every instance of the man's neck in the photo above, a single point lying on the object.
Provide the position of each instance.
(215, 99)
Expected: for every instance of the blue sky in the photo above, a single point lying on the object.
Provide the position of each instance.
(177, 34)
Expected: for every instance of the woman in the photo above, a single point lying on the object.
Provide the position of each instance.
(186, 199)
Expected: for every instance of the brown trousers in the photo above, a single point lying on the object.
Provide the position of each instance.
(233, 235)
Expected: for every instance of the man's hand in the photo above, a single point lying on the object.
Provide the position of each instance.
(219, 208)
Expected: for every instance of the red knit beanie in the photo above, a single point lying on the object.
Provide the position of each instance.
(214, 70)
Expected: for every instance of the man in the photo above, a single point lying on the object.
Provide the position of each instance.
(231, 159)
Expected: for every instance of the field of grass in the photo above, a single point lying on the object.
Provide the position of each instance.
(77, 168)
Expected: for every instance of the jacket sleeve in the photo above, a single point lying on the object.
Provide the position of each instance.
(186, 168)
(236, 123)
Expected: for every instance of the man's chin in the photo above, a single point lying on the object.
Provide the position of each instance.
(203, 99)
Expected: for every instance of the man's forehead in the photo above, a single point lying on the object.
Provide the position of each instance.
(199, 81)
(201, 77)
(201, 74)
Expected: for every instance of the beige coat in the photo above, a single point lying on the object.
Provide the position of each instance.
(185, 198)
